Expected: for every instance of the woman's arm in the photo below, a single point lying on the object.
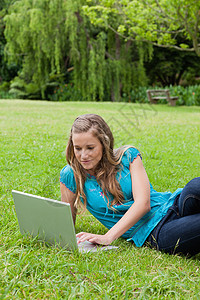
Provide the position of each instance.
(141, 205)
(68, 197)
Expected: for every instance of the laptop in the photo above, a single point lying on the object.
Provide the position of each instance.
(49, 221)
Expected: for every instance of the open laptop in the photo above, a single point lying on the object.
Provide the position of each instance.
(50, 221)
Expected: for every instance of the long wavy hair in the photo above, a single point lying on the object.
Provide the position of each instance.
(109, 164)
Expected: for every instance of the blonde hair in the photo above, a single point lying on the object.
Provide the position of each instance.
(109, 164)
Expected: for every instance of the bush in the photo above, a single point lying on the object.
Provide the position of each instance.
(4, 88)
(138, 95)
(65, 92)
(187, 95)
(56, 91)
(5, 95)
(22, 90)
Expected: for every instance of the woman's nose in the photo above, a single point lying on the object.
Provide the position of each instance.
(84, 154)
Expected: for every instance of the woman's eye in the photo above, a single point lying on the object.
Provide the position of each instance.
(77, 149)
(90, 148)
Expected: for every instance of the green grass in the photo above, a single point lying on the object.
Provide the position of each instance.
(33, 140)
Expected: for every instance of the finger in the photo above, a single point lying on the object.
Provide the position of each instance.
(84, 238)
(95, 240)
(80, 234)
(98, 240)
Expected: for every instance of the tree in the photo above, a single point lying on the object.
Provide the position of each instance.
(169, 66)
(158, 22)
(35, 33)
(56, 37)
(7, 72)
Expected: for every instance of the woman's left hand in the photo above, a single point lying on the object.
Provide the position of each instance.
(93, 238)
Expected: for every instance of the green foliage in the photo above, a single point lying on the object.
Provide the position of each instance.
(158, 22)
(138, 95)
(7, 71)
(187, 95)
(101, 47)
(191, 76)
(5, 95)
(20, 89)
(35, 31)
(65, 92)
(5, 86)
(52, 37)
(172, 67)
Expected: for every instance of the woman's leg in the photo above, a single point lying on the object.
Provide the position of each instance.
(189, 200)
(180, 233)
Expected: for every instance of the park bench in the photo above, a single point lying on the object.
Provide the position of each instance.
(155, 95)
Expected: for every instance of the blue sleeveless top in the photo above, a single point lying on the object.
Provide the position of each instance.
(99, 207)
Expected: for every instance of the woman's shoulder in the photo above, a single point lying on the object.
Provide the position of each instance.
(129, 154)
(67, 170)
(67, 178)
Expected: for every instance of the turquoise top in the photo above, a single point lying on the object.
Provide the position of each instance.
(99, 208)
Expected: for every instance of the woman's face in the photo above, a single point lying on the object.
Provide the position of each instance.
(88, 150)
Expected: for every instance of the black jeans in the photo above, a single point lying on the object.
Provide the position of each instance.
(179, 230)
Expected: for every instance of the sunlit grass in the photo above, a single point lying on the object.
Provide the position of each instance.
(33, 140)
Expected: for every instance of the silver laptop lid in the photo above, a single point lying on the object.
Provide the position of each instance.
(49, 220)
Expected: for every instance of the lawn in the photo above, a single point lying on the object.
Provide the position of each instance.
(33, 140)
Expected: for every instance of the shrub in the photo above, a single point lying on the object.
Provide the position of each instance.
(187, 95)
(65, 92)
(4, 87)
(5, 95)
(22, 90)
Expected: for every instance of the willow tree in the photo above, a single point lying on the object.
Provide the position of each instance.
(6, 71)
(56, 36)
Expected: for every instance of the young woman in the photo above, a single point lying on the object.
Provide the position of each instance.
(114, 187)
